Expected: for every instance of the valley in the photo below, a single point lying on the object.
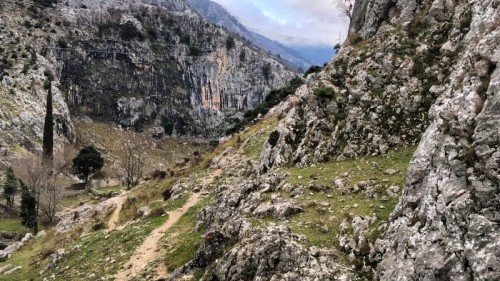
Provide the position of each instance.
(212, 160)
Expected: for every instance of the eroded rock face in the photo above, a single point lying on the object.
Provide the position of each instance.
(446, 225)
(161, 65)
(376, 93)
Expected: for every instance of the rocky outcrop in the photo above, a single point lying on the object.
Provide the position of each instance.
(376, 93)
(256, 253)
(446, 224)
(22, 91)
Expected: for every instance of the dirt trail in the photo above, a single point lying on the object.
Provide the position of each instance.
(147, 252)
(118, 201)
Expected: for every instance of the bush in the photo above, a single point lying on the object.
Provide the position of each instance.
(128, 32)
(230, 43)
(195, 51)
(313, 69)
(323, 91)
(157, 174)
(156, 212)
(45, 3)
(273, 138)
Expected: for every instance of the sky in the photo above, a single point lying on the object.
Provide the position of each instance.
(291, 22)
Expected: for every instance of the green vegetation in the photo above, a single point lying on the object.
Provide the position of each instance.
(324, 92)
(273, 138)
(325, 206)
(12, 225)
(48, 127)
(272, 99)
(182, 239)
(313, 69)
(88, 161)
(10, 187)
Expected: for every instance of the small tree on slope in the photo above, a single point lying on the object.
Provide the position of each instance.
(10, 187)
(88, 161)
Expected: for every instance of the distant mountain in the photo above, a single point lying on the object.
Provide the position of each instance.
(218, 15)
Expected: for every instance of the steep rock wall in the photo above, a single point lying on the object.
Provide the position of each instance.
(158, 64)
(446, 224)
(376, 93)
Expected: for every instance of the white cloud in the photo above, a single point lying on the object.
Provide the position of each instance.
(293, 22)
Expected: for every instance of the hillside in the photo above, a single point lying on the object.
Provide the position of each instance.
(383, 166)
(153, 66)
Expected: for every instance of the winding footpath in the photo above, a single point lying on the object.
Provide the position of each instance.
(118, 201)
(147, 252)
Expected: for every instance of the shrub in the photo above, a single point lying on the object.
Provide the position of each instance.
(324, 91)
(128, 32)
(273, 138)
(158, 174)
(313, 69)
(230, 43)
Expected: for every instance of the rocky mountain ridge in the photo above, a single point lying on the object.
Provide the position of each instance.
(148, 65)
(218, 15)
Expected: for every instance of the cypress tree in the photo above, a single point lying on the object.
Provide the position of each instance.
(48, 127)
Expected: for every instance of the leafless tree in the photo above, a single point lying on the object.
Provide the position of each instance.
(133, 161)
(40, 177)
(345, 7)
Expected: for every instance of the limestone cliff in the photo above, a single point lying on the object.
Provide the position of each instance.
(158, 64)
(150, 65)
(411, 72)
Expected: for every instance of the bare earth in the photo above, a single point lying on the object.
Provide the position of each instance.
(118, 201)
(147, 252)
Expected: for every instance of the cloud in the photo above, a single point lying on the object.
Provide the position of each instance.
(292, 22)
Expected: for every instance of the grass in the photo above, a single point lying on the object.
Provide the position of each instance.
(75, 201)
(12, 225)
(29, 257)
(103, 254)
(257, 135)
(182, 240)
(330, 207)
(161, 153)
(359, 169)
(105, 190)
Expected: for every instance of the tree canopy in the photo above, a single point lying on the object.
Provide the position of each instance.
(88, 161)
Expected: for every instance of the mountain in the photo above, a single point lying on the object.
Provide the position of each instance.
(155, 66)
(384, 165)
(218, 15)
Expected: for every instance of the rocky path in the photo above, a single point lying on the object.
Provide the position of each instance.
(118, 201)
(148, 251)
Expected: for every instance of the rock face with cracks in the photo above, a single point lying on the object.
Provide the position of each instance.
(446, 225)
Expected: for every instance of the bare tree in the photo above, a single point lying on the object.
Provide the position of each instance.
(133, 161)
(40, 177)
(345, 7)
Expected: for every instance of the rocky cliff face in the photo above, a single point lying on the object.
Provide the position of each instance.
(151, 65)
(412, 72)
(446, 224)
(377, 92)
(216, 14)
(159, 64)
(22, 90)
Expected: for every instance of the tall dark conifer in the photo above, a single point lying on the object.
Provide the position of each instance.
(48, 127)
